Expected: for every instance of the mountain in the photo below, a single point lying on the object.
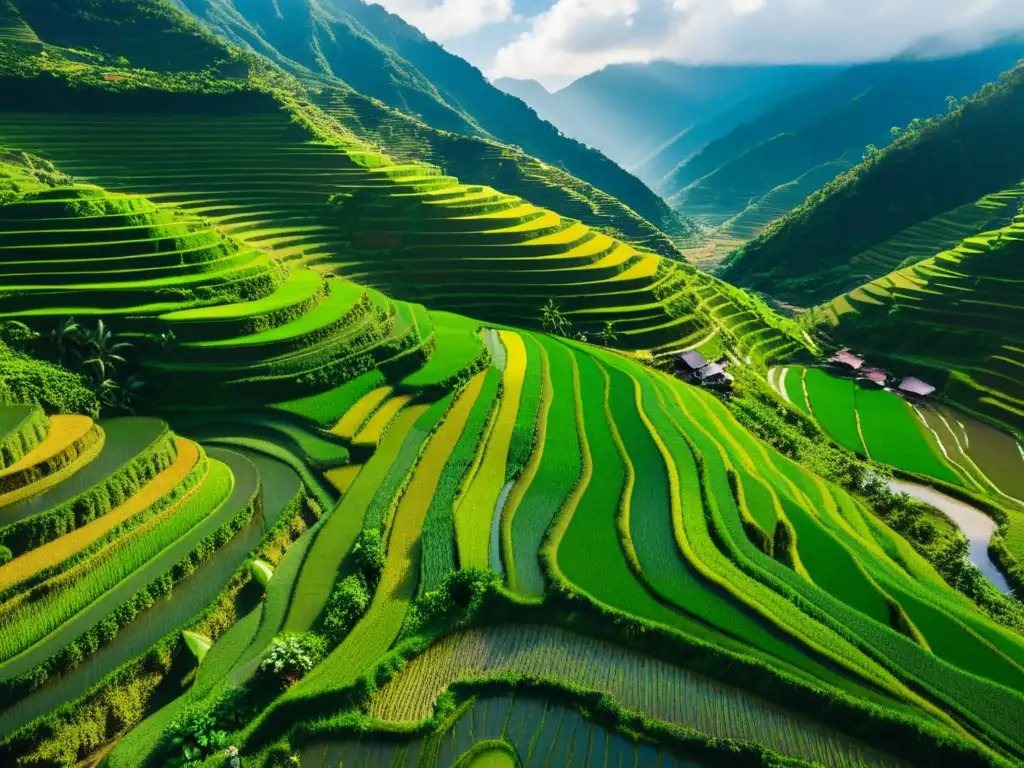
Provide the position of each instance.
(955, 317)
(670, 156)
(347, 42)
(333, 458)
(530, 91)
(948, 162)
(629, 111)
(776, 160)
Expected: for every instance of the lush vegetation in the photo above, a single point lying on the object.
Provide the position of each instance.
(343, 45)
(404, 513)
(966, 154)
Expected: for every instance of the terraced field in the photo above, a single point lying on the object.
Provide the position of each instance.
(953, 316)
(877, 424)
(661, 691)
(535, 731)
(127, 554)
(404, 228)
(405, 528)
(481, 161)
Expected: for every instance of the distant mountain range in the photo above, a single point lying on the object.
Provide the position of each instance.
(632, 111)
(737, 147)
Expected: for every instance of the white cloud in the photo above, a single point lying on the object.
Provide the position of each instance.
(449, 19)
(575, 37)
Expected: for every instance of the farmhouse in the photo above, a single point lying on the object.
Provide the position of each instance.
(714, 375)
(915, 388)
(690, 362)
(847, 360)
(872, 377)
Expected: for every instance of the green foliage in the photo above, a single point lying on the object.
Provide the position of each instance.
(5, 555)
(979, 153)
(24, 379)
(290, 657)
(348, 602)
(369, 555)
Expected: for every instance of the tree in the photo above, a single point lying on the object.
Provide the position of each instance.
(952, 103)
(104, 351)
(608, 334)
(66, 341)
(896, 131)
(553, 321)
(124, 397)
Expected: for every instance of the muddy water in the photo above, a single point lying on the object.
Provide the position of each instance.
(976, 525)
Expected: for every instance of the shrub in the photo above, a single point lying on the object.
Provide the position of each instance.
(369, 554)
(194, 735)
(348, 602)
(5, 555)
(291, 656)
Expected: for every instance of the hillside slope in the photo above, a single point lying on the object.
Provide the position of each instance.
(628, 111)
(353, 211)
(955, 316)
(806, 257)
(349, 42)
(477, 160)
(409, 536)
(826, 127)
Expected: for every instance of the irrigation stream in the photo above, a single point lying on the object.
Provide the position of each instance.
(976, 525)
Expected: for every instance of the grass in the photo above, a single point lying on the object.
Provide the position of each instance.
(458, 346)
(521, 445)
(54, 552)
(326, 408)
(477, 506)
(892, 434)
(361, 411)
(537, 498)
(833, 404)
(374, 428)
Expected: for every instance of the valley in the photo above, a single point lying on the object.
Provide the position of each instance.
(352, 414)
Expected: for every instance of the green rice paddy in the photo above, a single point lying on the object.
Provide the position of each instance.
(558, 553)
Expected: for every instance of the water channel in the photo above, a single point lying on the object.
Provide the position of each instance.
(976, 525)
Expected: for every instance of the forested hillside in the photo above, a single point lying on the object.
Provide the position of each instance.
(347, 42)
(946, 163)
(766, 167)
(314, 454)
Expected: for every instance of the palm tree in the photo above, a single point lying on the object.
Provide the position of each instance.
(124, 397)
(608, 334)
(552, 320)
(105, 352)
(66, 340)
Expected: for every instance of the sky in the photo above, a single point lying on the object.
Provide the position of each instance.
(557, 41)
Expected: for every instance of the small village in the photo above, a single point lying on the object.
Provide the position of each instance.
(846, 364)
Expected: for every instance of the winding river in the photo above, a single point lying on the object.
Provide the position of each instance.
(976, 525)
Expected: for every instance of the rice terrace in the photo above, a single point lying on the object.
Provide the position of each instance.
(360, 409)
